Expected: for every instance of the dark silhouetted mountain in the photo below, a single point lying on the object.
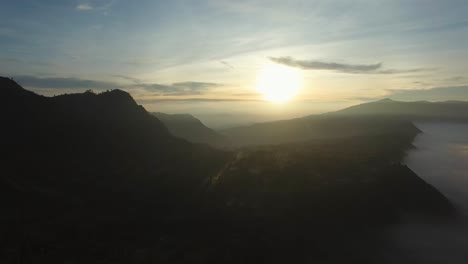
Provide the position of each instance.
(415, 111)
(312, 172)
(190, 128)
(95, 178)
(73, 162)
(339, 191)
(11, 90)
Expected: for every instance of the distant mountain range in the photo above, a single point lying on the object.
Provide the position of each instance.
(365, 119)
(356, 120)
(415, 111)
(190, 128)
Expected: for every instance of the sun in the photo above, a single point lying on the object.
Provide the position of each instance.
(278, 83)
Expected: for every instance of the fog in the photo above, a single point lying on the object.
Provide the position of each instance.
(441, 159)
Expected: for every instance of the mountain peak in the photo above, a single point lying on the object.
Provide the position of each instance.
(8, 88)
(8, 81)
(386, 100)
(112, 99)
(117, 96)
(117, 92)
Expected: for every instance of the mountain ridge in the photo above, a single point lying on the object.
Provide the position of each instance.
(452, 110)
(95, 178)
(188, 127)
(355, 120)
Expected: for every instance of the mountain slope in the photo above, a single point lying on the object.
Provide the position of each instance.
(84, 168)
(190, 128)
(94, 178)
(417, 111)
(380, 117)
(313, 128)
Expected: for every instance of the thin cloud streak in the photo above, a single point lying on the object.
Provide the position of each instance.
(174, 89)
(104, 6)
(227, 64)
(320, 65)
(84, 7)
(180, 88)
(154, 100)
(63, 83)
(342, 67)
(127, 78)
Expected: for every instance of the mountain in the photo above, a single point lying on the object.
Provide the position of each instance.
(316, 127)
(190, 128)
(415, 111)
(369, 119)
(330, 199)
(95, 178)
(86, 172)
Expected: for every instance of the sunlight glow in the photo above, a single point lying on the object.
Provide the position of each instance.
(278, 83)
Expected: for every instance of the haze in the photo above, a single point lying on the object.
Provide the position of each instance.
(234, 131)
(204, 57)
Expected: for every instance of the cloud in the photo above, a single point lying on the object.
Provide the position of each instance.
(174, 89)
(227, 64)
(155, 100)
(433, 94)
(320, 65)
(84, 7)
(102, 5)
(340, 67)
(422, 83)
(455, 79)
(31, 62)
(195, 85)
(180, 88)
(12, 60)
(396, 71)
(63, 83)
(127, 78)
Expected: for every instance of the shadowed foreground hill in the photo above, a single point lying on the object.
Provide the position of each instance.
(330, 198)
(94, 178)
(80, 170)
(188, 127)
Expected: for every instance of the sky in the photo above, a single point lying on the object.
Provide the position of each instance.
(204, 57)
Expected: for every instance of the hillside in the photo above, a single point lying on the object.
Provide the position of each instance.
(95, 178)
(85, 172)
(190, 128)
(367, 119)
(415, 111)
(316, 127)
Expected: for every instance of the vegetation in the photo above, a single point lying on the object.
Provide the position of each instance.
(94, 178)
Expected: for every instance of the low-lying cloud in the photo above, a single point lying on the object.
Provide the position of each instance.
(376, 68)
